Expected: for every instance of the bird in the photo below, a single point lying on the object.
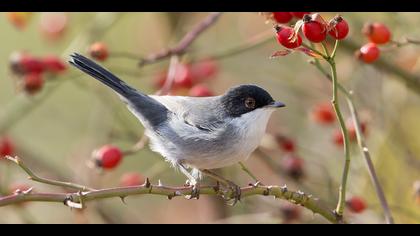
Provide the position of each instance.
(195, 134)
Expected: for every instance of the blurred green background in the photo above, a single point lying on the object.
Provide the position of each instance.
(56, 130)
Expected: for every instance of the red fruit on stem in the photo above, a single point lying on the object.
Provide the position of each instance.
(204, 69)
(285, 143)
(314, 31)
(53, 64)
(369, 53)
(299, 14)
(183, 76)
(293, 165)
(131, 179)
(356, 204)
(323, 113)
(377, 32)
(99, 51)
(340, 29)
(6, 147)
(200, 90)
(107, 157)
(33, 83)
(282, 17)
(287, 37)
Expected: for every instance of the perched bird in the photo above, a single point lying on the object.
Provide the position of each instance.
(196, 133)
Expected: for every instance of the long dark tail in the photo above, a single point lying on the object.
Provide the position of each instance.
(98, 72)
(151, 112)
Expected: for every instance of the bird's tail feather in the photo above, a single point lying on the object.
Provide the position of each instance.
(103, 75)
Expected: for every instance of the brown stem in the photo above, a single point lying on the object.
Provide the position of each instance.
(185, 42)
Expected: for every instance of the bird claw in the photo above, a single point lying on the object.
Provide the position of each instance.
(195, 193)
(233, 195)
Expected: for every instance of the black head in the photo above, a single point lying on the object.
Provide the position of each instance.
(246, 98)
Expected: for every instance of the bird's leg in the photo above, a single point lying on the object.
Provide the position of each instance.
(236, 190)
(192, 182)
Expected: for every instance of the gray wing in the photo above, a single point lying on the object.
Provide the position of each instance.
(200, 112)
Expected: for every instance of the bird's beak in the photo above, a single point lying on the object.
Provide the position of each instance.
(276, 105)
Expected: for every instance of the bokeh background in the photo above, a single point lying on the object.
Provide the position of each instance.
(56, 129)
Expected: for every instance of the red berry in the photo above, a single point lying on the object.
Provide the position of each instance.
(108, 156)
(299, 14)
(6, 147)
(290, 212)
(183, 76)
(340, 29)
(369, 53)
(282, 17)
(356, 204)
(18, 19)
(338, 138)
(314, 31)
(204, 69)
(293, 165)
(323, 113)
(377, 32)
(286, 144)
(131, 179)
(287, 37)
(200, 90)
(22, 63)
(99, 51)
(53, 24)
(33, 83)
(53, 64)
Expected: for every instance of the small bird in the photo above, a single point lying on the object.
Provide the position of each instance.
(196, 134)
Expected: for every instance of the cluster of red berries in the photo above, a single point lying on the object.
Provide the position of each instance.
(30, 69)
(107, 157)
(190, 78)
(314, 28)
(98, 51)
(7, 148)
(286, 17)
(377, 33)
(291, 163)
(356, 204)
(323, 113)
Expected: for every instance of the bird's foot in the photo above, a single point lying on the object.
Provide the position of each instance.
(195, 192)
(233, 194)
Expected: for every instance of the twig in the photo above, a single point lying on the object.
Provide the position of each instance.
(371, 169)
(244, 168)
(185, 42)
(362, 145)
(34, 177)
(296, 197)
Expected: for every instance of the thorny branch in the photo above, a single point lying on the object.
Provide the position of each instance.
(79, 199)
(185, 42)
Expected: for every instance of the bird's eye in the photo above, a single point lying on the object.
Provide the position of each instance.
(250, 103)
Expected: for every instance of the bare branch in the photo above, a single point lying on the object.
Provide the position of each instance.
(185, 42)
